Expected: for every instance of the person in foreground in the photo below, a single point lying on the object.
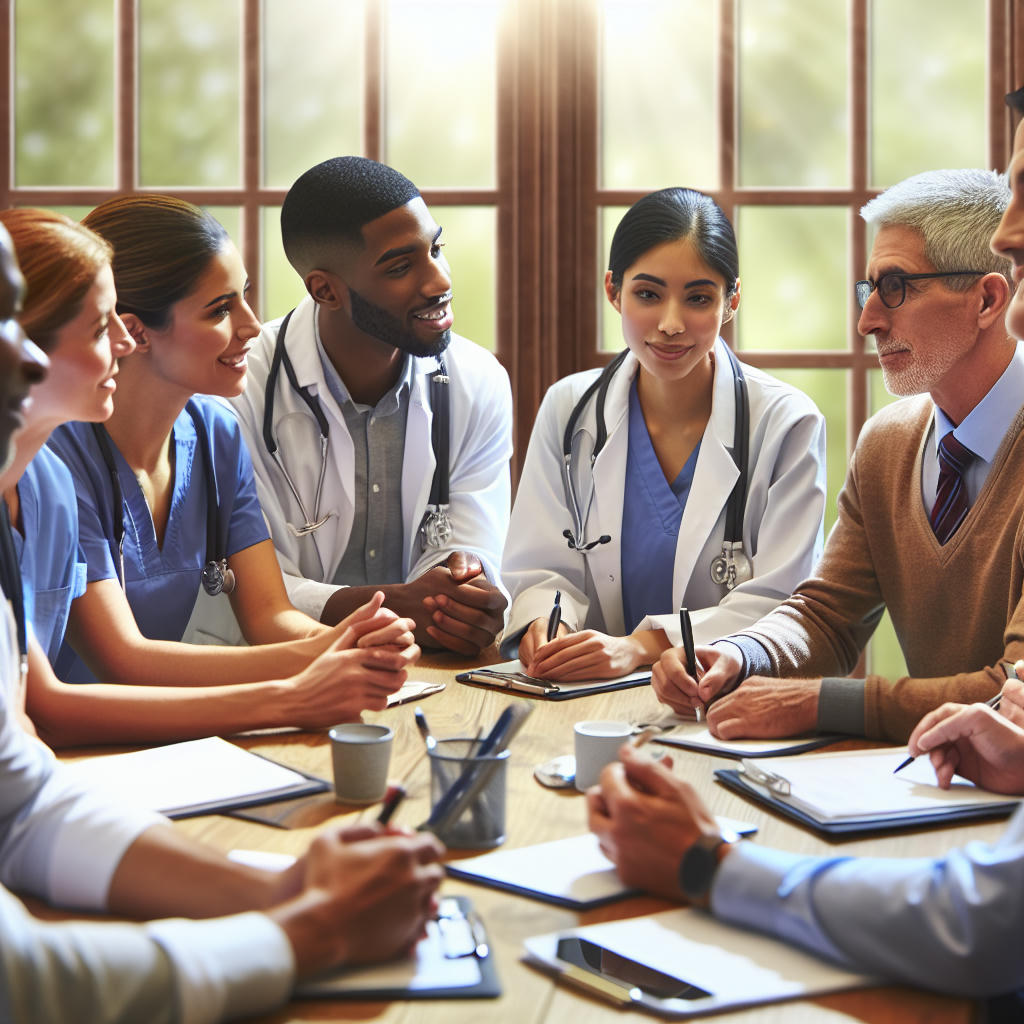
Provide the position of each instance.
(380, 439)
(68, 310)
(930, 515)
(954, 923)
(358, 895)
(698, 445)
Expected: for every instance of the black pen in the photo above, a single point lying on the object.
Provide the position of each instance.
(992, 702)
(555, 618)
(686, 628)
(394, 796)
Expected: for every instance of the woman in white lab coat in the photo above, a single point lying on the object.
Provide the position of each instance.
(629, 536)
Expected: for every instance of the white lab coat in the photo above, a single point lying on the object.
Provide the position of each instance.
(782, 525)
(481, 445)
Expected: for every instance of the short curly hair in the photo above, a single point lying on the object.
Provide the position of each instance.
(331, 202)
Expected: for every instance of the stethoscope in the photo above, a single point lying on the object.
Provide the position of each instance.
(436, 527)
(216, 576)
(733, 565)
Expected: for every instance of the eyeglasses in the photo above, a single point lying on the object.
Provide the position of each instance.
(892, 288)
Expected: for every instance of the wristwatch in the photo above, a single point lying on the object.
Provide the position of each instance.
(698, 866)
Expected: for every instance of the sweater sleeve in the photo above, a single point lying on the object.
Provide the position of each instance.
(822, 628)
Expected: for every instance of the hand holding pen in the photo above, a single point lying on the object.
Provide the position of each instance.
(686, 628)
(555, 618)
(974, 741)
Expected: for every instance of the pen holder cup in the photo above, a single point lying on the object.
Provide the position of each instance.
(460, 775)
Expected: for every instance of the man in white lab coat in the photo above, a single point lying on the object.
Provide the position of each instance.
(380, 439)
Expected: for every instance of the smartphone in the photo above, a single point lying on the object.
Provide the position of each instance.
(603, 962)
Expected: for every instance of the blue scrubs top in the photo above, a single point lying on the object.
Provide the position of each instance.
(161, 583)
(51, 562)
(651, 511)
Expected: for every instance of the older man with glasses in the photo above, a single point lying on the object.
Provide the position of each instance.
(930, 515)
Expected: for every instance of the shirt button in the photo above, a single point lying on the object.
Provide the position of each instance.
(373, 553)
(376, 488)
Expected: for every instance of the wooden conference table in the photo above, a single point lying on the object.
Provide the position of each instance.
(536, 814)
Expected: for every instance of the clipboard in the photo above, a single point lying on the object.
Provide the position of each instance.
(207, 776)
(509, 675)
(814, 791)
(432, 972)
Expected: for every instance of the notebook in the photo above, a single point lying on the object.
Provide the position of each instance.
(204, 776)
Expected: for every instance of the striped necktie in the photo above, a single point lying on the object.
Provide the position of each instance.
(951, 504)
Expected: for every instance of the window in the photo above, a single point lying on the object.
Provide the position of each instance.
(529, 125)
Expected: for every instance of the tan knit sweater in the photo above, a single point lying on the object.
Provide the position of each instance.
(957, 608)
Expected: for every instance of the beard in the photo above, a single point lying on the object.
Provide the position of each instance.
(380, 324)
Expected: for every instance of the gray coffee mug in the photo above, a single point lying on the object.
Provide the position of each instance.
(360, 754)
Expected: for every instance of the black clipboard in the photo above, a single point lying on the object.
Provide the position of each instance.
(362, 983)
(734, 779)
(523, 686)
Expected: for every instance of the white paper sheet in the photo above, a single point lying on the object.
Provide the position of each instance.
(860, 785)
(573, 870)
(738, 968)
(182, 775)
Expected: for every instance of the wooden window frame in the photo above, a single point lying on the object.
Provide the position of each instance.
(547, 196)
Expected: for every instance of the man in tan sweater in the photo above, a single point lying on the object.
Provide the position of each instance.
(936, 540)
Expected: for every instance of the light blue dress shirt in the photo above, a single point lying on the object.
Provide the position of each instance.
(161, 582)
(651, 511)
(954, 923)
(982, 430)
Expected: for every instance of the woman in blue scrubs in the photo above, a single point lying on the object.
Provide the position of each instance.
(70, 308)
(646, 519)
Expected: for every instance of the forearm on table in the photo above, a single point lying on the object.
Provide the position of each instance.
(70, 715)
(148, 662)
(195, 880)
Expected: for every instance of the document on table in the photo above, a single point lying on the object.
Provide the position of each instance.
(690, 734)
(509, 675)
(857, 790)
(195, 777)
(728, 967)
(570, 872)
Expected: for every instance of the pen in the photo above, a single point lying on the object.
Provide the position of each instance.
(555, 618)
(686, 628)
(649, 732)
(395, 795)
(992, 702)
(424, 729)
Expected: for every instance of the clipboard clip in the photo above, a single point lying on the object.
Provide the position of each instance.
(518, 681)
(462, 934)
(775, 784)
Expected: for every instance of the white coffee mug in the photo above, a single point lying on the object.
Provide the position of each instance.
(597, 744)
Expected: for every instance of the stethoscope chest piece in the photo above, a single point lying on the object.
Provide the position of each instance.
(218, 578)
(732, 567)
(436, 528)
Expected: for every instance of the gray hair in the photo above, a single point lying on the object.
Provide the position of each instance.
(957, 213)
